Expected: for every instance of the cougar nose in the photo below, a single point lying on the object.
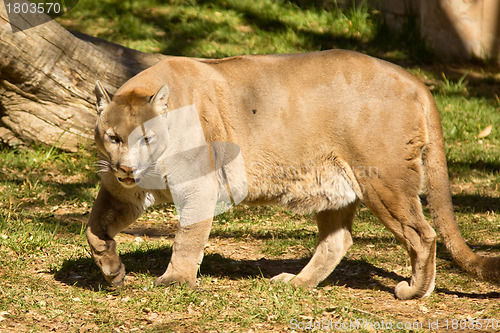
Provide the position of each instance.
(126, 169)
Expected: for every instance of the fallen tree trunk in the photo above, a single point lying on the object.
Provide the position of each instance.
(47, 78)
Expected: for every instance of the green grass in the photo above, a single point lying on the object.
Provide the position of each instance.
(464, 115)
(48, 282)
(220, 28)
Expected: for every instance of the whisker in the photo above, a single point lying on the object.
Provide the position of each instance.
(102, 166)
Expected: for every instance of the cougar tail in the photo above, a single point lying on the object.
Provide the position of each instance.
(441, 207)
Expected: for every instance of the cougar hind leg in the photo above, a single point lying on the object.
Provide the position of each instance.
(399, 208)
(334, 240)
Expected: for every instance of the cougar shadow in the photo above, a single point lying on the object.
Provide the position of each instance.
(357, 274)
(350, 273)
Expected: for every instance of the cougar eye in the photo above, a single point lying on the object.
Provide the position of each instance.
(115, 139)
(147, 139)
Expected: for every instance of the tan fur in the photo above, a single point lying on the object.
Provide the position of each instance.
(319, 133)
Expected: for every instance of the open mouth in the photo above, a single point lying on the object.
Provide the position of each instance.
(127, 181)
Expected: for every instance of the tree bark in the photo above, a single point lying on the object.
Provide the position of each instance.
(47, 79)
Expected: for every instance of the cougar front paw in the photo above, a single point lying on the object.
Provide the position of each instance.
(294, 280)
(175, 279)
(283, 277)
(114, 274)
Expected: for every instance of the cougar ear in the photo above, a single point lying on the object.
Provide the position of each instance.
(103, 97)
(160, 98)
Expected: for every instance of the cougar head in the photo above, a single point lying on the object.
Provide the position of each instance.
(129, 133)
